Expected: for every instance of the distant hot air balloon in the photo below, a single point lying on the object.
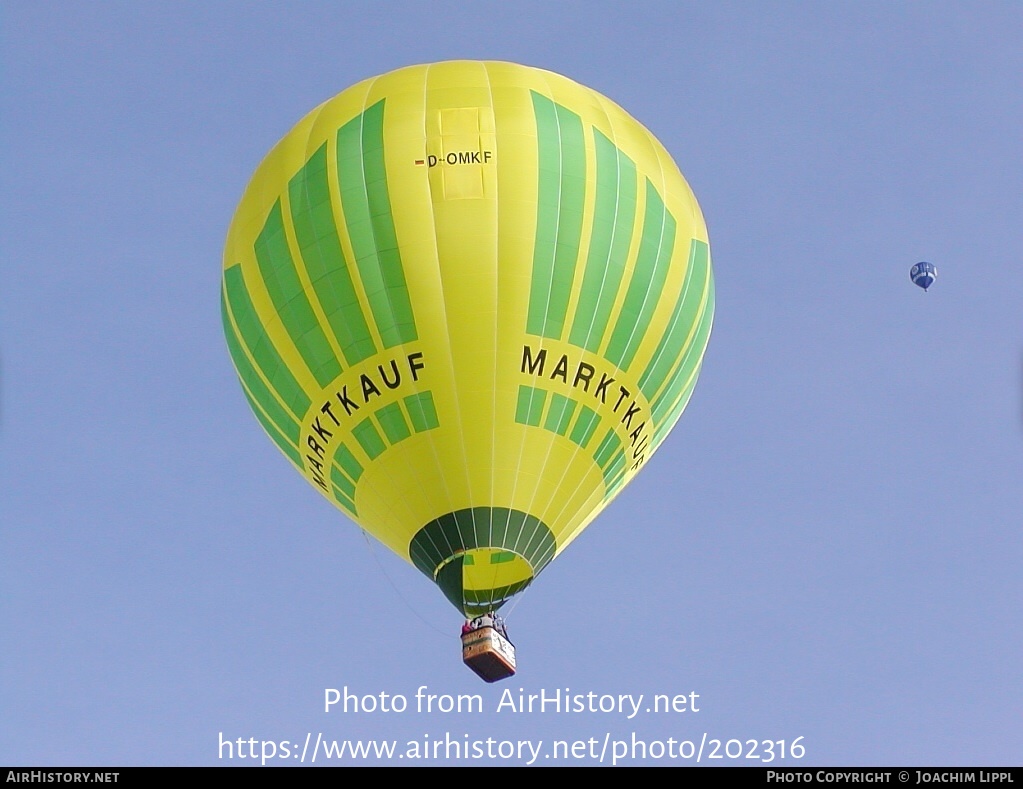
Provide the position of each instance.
(468, 301)
(923, 274)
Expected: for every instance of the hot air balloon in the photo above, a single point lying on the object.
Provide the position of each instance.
(468, 301)
(923, 274)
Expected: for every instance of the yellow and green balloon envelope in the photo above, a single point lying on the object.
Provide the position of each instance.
(468, 301)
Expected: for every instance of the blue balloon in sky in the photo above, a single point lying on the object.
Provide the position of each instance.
(923, 274)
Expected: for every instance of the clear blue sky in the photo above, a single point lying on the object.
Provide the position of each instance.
(827, 547)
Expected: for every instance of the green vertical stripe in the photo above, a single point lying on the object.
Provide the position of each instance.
(344, 458)
(279, 439)
(607, 448)
(647, 281)
(369, 439)
(614, 215)
(559, 216)
(344, 500)
(342, 481)
(367, 208)
(290, 301)
(675, 412)
(682, 320)
(392, 420)
(258, 342)
(254, 384)
(614, 467)
(313, 220)
(584, 426)
(422, 411)
(530, 405)
(559, 415)
(689, 362)
(614, 487)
